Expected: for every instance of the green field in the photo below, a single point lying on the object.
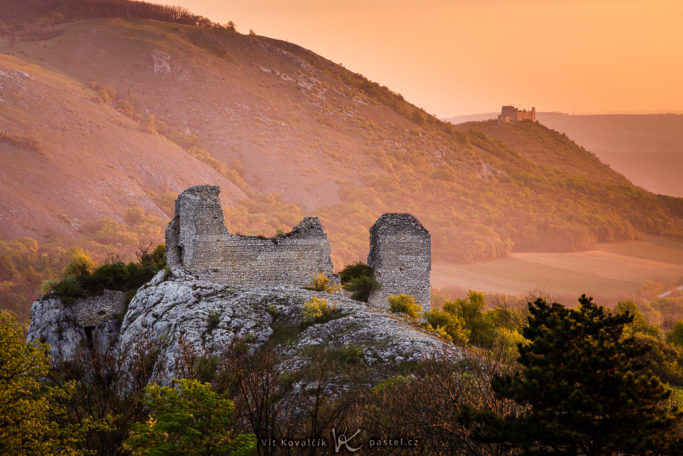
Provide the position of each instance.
(617, 269)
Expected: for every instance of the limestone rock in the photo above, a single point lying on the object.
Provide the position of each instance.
(178, 313)
(71, 331)
(184, 312)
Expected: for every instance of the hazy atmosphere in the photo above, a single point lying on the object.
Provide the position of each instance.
(468, 56)
(438, 228)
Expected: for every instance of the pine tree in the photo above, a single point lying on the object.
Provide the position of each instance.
(582, 388)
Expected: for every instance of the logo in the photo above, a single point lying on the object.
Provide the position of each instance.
(342, 441)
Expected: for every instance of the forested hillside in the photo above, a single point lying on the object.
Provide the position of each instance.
(109, 109)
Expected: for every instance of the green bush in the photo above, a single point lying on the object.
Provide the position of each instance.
(352, 271)
(111, 276)
(359, 278)
(481, 325)
(190, 419)
(362, 287)
(675, 337)
(639, 323)
(349, 354)
(156, 259)
(406, 304)
(212, 320)
(68, 289)
(450, 326)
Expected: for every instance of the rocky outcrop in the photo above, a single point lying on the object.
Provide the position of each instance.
(73, 331)
(177, 311)
(209, 318)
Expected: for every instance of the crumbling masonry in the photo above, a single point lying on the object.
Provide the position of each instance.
(511, 114)
(198, 241)
(400, 253)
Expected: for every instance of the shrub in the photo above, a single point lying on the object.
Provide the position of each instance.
(362, 287)
(190, 419)
(68, 290)
(449, 326)
(359, 278)
(349, 354)
(321, 282)
(406, 304)
(506, 343)
(352, 271)
(48, 285)
(639, 323)
(481, 326)
(80, 265)
(80, 282)
(675, 337)
(213, 319)
(125, 107)
(110, 276)
(317, 309)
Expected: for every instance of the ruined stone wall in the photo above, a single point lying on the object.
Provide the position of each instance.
(93, 310)
(512, 114)
(400, 253)
(198, 241)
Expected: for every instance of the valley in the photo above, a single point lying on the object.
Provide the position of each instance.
(617, 270)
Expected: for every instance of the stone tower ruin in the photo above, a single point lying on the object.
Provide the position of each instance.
(510, 114)
(400, 253)
(198, 241)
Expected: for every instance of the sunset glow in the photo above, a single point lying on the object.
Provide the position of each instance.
(468, 56)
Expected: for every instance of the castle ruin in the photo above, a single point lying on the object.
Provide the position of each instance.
(511, 114)
(400, 253)
(198, 241)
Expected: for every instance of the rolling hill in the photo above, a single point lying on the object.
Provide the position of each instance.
(105, 115)
(646, 148)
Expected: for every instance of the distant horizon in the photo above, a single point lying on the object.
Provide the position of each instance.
(456, 57)
(541, 111)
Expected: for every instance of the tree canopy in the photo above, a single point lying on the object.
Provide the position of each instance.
(583, 387)
(33, 415)
(191, 419)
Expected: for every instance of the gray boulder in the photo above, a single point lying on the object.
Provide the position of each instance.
(177, 313)
(184, 313)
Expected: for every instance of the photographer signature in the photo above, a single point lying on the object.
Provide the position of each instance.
(342, 441)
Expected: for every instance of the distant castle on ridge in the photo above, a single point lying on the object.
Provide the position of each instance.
(511, 114)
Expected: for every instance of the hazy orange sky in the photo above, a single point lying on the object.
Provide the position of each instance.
(455, 57)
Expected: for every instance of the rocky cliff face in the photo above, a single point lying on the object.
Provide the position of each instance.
(177, 311)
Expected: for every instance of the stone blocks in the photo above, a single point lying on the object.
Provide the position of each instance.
(198, 241)
(400, 253)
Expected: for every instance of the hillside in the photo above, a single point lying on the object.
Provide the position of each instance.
(103, 120)
(646, 148)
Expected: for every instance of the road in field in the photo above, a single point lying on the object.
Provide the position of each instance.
(610, 270)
